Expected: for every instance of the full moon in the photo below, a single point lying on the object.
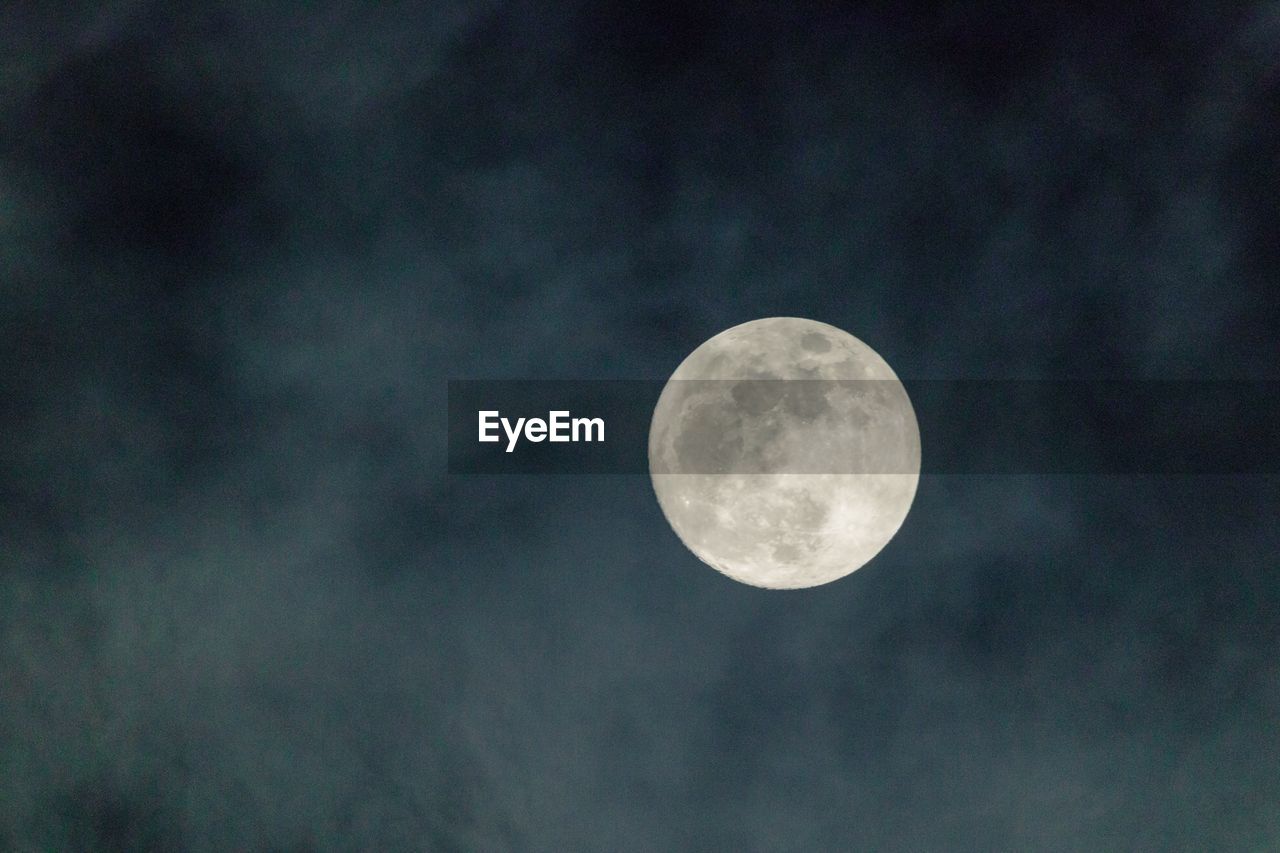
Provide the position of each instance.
(784, 452)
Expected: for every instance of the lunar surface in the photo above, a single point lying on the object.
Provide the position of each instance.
(784, 452)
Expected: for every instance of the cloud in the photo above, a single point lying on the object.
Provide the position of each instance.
(244, 608)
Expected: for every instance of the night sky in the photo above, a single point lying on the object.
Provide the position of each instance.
(243, 247)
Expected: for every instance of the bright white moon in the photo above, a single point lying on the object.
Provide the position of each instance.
(784, 484)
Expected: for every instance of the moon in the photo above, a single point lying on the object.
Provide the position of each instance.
(778, 483)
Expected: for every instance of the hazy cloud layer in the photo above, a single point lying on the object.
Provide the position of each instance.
(243, 247)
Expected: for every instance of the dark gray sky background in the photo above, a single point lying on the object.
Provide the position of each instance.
(243, 246)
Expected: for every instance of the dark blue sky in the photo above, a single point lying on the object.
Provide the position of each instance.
(243, 246)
